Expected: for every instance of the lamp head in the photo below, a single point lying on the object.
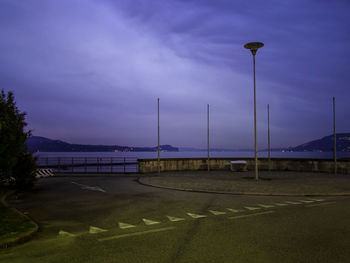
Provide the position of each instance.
(254, 46)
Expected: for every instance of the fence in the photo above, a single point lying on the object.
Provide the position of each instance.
(89, 164)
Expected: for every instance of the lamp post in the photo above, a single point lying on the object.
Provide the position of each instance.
(268, 135)
(253, 47)
(334, 139)
(158, 141)
(208, 138)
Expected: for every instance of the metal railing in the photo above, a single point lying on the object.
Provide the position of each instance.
(89, 164)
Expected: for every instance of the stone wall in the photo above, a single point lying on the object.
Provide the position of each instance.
(276, 164)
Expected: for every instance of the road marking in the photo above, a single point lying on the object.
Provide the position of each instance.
(318, 200)
(234, 210)
(65, 234)
(256, 214)
(216, 213)
(196, 215)
(292, 203)
(306, 201)
(96, 230)
(252, 208)
(137, 233)
(175, 219)
(279, 204)
(266, 206)
(92, 188)
(328, 203)
(149, 222)
(124, 225)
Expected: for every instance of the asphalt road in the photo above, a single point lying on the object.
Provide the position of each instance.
(115, 219)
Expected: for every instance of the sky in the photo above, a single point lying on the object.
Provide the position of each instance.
(90, 71)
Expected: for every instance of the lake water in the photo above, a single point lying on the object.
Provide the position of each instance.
(151, 155)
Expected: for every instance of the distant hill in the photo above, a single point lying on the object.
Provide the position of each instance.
(326, 144)
(42, 144)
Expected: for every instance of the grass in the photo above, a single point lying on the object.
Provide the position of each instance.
(14, 226)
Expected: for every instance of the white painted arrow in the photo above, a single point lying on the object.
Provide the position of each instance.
(149, 222)
(175, 219)
(214, 212)
(124, 225)
(234, 210)
(92, 188)
(266, 206)
(196, 215)
(96, 230)
(279, 204)
(252, 208)
(292, 203)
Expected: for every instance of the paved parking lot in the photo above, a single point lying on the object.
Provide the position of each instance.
(115, 219)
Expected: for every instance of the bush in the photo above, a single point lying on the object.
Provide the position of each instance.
(17, 165)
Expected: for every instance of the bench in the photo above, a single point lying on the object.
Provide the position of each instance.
(238, 166)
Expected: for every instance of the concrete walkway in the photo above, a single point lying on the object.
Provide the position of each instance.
(270, 183)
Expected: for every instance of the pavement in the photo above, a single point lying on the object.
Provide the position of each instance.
(285, 183)
(116, 219)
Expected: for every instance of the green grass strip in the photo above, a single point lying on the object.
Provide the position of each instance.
(15, 227)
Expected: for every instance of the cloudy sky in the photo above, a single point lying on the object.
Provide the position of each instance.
(90, 71)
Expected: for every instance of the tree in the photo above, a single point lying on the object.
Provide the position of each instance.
(17, 165)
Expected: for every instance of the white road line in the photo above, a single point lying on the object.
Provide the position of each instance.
(252, 208)
(250, 215)
(216, 213)
(266, 206)
(320, 204)
(292, 203)
(92, 188)
(149, 222)
(137, 233)
(65, 234)
(196, 215)
(96, 230)
(175, 219)
(234, 210)
(125, 226)
(280, 204)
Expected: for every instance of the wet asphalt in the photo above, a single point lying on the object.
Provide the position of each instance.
(116, 219)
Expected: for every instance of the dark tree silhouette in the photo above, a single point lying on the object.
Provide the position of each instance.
(17, 165)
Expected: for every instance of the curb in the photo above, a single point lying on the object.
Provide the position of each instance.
(23, 237)
(240, 193)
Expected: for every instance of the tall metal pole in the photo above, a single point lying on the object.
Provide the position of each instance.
(208, 140)
(268, 135)
(158, 141)
(253, 47)
(255, 139)
(335, 139)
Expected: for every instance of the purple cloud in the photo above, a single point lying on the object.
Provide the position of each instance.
(91, 71)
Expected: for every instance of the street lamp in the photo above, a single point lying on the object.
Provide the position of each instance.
(254, 46)
(158, 141)
(335, 139)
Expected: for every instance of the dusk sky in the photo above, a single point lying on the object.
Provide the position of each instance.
(90, 71)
